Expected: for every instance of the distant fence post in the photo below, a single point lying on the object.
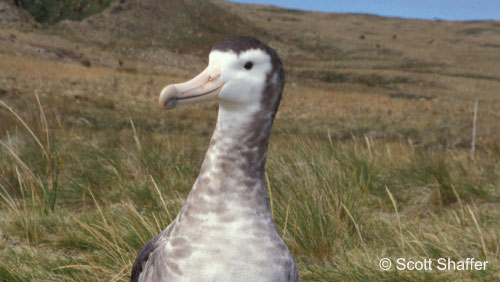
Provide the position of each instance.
(474, 127)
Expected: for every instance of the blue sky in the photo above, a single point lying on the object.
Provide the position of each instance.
(421, 9)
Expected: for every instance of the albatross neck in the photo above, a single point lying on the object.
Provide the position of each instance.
(232, 173)
(241, 137)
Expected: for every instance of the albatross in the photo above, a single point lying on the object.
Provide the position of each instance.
(225, 231)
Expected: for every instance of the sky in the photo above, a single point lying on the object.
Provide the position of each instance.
(457, 10)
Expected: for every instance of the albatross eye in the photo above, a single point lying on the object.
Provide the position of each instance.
(248, 65)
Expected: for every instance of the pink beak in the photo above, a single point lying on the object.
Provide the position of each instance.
(205, 86)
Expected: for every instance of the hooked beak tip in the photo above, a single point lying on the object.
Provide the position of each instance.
(172, 103)
(168, 97)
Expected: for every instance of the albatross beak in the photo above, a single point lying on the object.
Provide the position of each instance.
(205, 86)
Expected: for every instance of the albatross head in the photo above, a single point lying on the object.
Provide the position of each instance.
(243, 74)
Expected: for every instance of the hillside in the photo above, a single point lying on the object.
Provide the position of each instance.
(185, 26)
(370, 155)
(413, 60)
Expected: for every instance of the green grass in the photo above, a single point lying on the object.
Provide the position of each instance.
(340, 206)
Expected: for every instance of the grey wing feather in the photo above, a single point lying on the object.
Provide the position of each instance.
(294, 275)
(142, 258)
(147, 251)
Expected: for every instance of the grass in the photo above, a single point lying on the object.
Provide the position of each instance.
(339, 205)
(369, 157)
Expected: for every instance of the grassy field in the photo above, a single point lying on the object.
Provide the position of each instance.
(370, 155)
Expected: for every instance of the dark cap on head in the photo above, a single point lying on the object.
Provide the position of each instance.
(243, 43)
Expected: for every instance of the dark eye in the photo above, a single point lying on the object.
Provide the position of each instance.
(248, 65)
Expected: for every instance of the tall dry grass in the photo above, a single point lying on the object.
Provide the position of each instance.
(340, 206)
